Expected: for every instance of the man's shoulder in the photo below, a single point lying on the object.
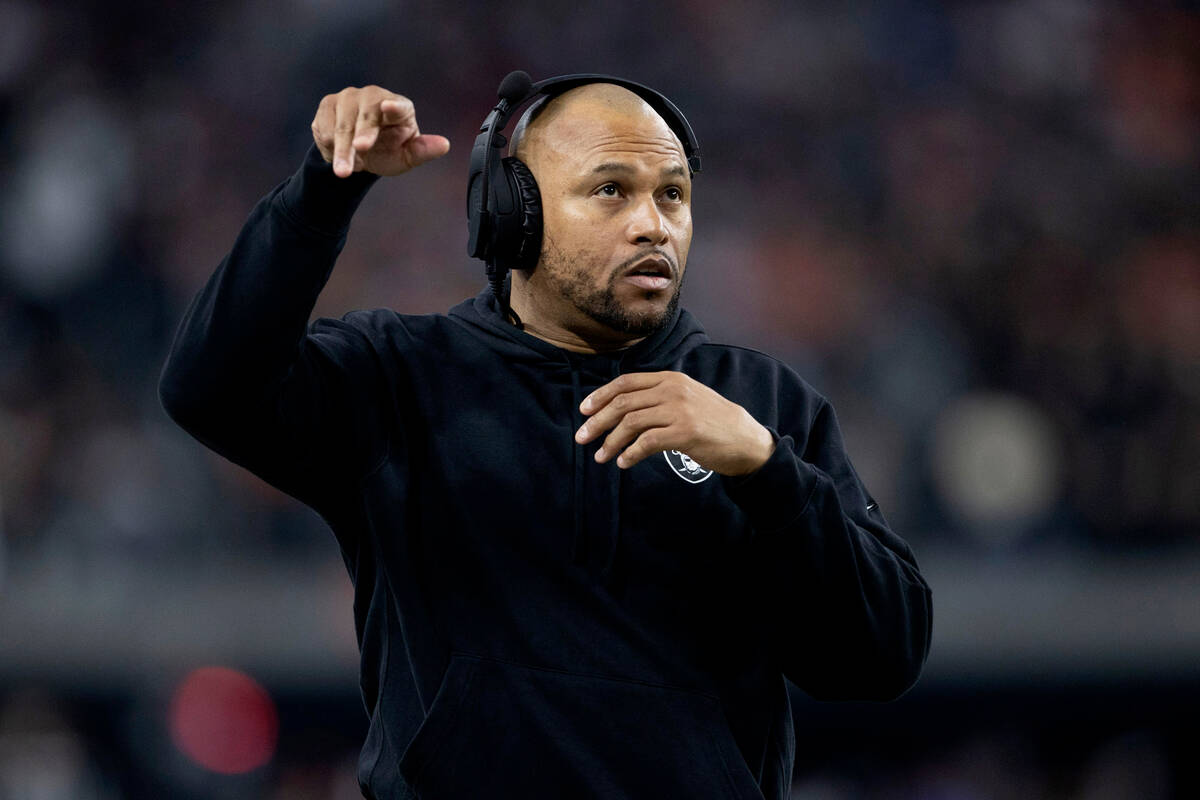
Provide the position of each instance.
(374, 320)
(387, 319)
(766, 386)
(384, 329)
(741, 353)
(740, 360)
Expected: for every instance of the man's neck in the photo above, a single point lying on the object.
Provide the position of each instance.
(584, 336)
(576, 343)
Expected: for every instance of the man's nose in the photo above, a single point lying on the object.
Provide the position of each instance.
(646, 223)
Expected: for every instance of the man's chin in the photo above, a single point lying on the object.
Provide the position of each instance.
(637, 317)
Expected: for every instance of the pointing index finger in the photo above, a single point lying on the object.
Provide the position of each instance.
(343, 132)
(629, 382)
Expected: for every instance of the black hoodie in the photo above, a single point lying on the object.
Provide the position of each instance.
(532, 623)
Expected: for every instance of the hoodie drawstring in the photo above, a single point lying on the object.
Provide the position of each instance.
(579, 542)
(614, 517)
(578, 545)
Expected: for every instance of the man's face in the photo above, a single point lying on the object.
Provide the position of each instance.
(616, 208)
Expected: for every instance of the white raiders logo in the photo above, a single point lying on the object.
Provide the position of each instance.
(686, 467)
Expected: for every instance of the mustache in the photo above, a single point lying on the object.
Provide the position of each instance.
(655, 253)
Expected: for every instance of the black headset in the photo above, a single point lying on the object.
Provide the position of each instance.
(504, 206)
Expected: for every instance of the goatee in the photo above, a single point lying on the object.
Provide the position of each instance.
(602, 305)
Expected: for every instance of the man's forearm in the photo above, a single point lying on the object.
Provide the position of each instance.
(242, 330)
(852, 611)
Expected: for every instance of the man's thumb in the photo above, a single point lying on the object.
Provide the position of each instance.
(427, 147)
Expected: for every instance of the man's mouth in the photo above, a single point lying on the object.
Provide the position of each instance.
(651, 274)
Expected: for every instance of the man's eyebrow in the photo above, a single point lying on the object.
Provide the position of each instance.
(617, 166)
(612, 166)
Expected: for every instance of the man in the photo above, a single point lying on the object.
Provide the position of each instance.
(586, 551)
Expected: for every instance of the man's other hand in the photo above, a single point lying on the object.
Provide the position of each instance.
(647, 412)
(373, 130)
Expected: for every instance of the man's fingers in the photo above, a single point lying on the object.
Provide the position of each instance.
(372, 128)
(632, 425)
(613, 412)
(394, 111)
(647, 443)
(366, 127)
(629, 382)
(364, 140)
(397, 110)
(322, 125)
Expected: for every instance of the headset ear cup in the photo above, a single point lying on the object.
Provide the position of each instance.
(525, 247)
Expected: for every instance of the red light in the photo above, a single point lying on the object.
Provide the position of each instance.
(223, 720)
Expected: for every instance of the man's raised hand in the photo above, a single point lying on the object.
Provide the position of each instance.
(373, 130)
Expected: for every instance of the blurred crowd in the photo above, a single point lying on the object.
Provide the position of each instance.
(974, 226)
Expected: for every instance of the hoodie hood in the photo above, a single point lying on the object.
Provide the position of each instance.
(662, 350)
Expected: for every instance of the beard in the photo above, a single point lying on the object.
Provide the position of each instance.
(573, 279)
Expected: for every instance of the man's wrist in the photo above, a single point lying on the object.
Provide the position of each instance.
(319, 199)
(766, 447)
(760, 453)
(778, 491)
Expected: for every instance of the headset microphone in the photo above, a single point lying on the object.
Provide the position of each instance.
(504, 208)
(515, 86)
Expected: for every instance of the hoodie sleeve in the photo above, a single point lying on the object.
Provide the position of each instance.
(845, 599)
(248, 376)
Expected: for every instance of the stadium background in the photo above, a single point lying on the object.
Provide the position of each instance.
(975, 226)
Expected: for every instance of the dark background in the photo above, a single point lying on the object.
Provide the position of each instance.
(974, 226)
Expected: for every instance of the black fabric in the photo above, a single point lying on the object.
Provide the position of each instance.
(532, 623)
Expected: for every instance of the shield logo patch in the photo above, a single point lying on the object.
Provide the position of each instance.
(686, 467)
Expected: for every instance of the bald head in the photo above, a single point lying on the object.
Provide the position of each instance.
(551, 121)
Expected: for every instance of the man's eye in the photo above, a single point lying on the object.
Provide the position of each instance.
(672, 193)
(608, 190)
